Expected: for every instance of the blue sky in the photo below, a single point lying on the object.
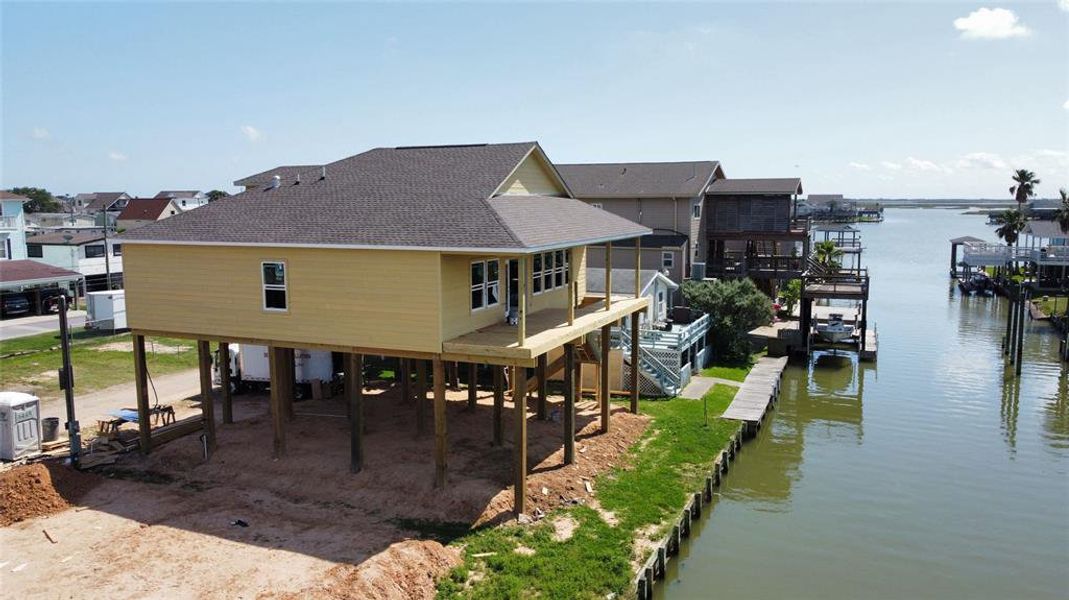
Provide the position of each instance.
(867, 99)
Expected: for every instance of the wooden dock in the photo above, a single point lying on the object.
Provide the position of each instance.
(871, 343)
(760, 391)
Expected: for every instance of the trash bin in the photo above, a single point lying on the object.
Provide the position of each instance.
(49, 429)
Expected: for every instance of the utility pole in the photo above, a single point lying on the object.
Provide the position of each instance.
(66, 382)
(107, 252)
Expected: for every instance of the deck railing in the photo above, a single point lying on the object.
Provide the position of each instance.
(987, 254)
(668, 379)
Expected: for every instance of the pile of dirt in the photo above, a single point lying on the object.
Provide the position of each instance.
(405, 570)
(40, 489)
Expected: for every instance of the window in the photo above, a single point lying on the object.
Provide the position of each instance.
(94, 251)
(183, 203)
(668, 260)
(696, 210)
(35, 251)
(274, 281)
(485, 284)
(5, 248)
(596, 204)
(116, 249)
(549, 271)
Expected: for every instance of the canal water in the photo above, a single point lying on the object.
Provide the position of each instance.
(934, 473)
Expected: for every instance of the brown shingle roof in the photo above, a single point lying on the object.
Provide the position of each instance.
(637, 180)
(6, 195)
(407, 197)
(288, 173)
(13, 271)
(177, 194)
(781, 186)
(144, 209)
(1045, 229)
(103, 200)
(60, 239)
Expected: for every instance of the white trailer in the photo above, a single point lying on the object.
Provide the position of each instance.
(106, 310)
(250, 367)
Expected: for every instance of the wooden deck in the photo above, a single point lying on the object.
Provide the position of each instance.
(759, 391)
(546, 330)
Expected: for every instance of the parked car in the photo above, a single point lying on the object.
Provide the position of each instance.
(14, 304)
(50, 299)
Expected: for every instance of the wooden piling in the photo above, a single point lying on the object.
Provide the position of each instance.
(406, 379)
(473, 390)
(439, 425)
(603, 374)
(499, 402)
(634, 355)
(207, 403)
(224, 383)
(569, 404)
(421, 397)
(540, 379)
(144, 427)
(356, 412)
(274, 357)
(519, 390)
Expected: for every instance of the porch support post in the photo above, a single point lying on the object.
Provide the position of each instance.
(278, 423)
(603, 372)
(634, 362)
(569, 403)
(439, 424)
(499, 401)
(356, 412)
(540, 374)
(224, 381)
(207, 405)
(406, 379)
(608, 275)
(519, 392)
(573, 286)
(521, 301)
(638, 267)
(421, 396)
(144, 428)
(473, 376)
(289, 378)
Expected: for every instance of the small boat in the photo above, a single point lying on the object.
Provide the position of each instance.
(835, 330)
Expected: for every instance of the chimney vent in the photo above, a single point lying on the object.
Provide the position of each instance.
(298, 182)
(275, 182)
(323, 172)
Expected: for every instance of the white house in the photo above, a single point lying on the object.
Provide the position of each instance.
(656, 286)
(185, 199)
(12, 227)
(83, 253)
(101, 202)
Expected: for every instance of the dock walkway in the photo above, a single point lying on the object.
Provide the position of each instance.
(760, 390)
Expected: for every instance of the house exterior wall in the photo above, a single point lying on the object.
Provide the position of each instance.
(12, 230)
(73, 258)
(749, 214)
(624, 258)
(666, 215)
(457, 316)
(361, 298)
(532, 177)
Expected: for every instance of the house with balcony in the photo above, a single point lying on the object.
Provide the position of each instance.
(12, 226)
(96, 255)
(752, 229)
(426, 254)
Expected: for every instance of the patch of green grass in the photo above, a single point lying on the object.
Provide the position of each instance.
(736, 371)
(1051, 304)
(671, 461)
(94, 368)
(45, 341)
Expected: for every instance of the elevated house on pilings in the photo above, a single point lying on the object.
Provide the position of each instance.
(845, 237)
(429, 255)
(1049, 246)
(824, 282)
(752, 229)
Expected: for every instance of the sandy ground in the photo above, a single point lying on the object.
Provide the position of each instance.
(171, 389)
(166, 525)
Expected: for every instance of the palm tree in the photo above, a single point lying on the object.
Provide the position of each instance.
(1011, 224)
(1026, 186)
(828, 254)
(1062, 216)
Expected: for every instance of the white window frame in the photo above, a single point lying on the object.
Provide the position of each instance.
(561, 268)
(597, 205)
(116, 249)
(264, 286)
(668, 259)
(696, 210)
(486, 285)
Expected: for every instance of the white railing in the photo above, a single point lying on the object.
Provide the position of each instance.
(668, 378)
(979, 254)
(9, 222)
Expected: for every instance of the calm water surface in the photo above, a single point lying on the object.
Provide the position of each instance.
(930, 474)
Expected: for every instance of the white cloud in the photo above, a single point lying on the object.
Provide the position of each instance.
(1063, 4)
(860, 166)
(991, 24)
(252, 133)
(117, 156)
(40, 133)
(1066, 105)
(918, 164)
(981, 160)
(891, 166)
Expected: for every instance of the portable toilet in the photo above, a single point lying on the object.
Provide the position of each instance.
(20, 425)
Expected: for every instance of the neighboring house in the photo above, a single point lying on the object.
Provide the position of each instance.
(828, 207)
(1043, 209)
(12, 226)
(307, 173)
(142, 211)
(472, 253)
(184, 199)
(752, 230)
(101, 202)
(46, 222)
(82, 252)
(667, 252)
(667, 197)
(655, 285)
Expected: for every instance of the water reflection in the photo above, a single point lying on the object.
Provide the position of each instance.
(1010, 408)
(1056, 413)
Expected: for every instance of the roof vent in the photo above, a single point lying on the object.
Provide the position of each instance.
(298, 182)
(275, 182)
(323, 172)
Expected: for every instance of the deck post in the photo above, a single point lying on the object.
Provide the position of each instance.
(519, 393)
(473, 392)
(521, 300)
(439, 423)
(603, 372)
(289, 371)
(1020, 333)
(207, 404)
(569, 403)
(144, 428)
(278, 424)
(638, 267)
(540, 375)
(421, 396)
(224, 382)
(608, 275)
(634, 362)
(406, 379)
(499, 402)
(356, 411)
(573, 286)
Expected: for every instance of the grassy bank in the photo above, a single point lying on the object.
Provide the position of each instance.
(670, 461)
(1051, 304)
(735, 371)
(99, 361)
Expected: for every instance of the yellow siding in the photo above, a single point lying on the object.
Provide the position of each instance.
(579, 256)
(457, 316)
(362, 298)
(532, 177)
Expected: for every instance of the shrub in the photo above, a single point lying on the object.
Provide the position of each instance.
(734, 307)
